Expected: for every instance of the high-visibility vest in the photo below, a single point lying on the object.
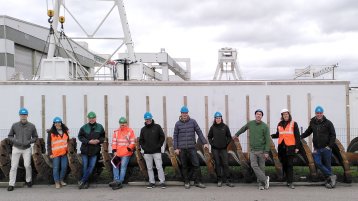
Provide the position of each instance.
(287, 134)
(59, 145)
(121, 139)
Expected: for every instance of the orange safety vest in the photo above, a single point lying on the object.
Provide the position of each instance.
(59, 144)
(287, 134)
(123, 138)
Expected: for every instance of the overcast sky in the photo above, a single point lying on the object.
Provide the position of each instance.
(273, 37)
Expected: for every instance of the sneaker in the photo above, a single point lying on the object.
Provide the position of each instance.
(163, 186)
(200, 185)
(261, 187)
(290, 185)
(86, 185)
(118, 185)
(10, 188)
(267, 183)
(328, 185)
(112, 183)
(220, 183)
(57, 185)
(187, 185)
(150, 186)
(63, 183)
(333, 180)
(81, 185)
(28, 184)
(229, 184)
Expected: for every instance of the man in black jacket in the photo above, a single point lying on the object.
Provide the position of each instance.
(151, 140)
(219, 138)
(324, 137)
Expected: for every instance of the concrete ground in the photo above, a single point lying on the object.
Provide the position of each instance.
(173, 192)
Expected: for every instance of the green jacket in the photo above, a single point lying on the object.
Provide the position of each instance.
(259, 135)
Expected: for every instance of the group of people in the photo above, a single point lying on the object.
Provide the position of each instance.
(92, 135)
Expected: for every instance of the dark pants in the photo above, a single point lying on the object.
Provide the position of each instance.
(188, 156)
(221, 163)
(286, 158)
(88, 164)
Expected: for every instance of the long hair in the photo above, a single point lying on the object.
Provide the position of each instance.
(54, 130)
(289, 117)
(222, 121)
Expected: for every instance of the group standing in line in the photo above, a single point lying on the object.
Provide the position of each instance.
(23, 133)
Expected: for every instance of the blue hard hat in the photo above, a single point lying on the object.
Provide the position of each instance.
(57, 120)
(23, 111)
(318, 109)
(259, 110)
(148, 115)
(184, 109)
(217, 114)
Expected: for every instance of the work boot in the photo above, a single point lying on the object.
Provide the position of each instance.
(328, 185)
(10, 188)
(112, 183)
(116, 186)
(333, 180)
(81, 185)
(150, 186)
(57, 185)
(86, 185)
(28, 184)
(187, 185)
(63, 183)
(220, 183)
(163, 186)
(229, 184)
(200, 185)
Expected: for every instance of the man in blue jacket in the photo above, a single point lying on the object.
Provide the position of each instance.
(184, 146)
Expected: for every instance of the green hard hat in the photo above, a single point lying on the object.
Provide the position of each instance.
(91, 115)
(122, 120)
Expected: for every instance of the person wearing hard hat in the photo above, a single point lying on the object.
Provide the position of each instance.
(184, 146)
(260, 141)
(288, 135)
(219, 137)
(91, 135)
(123, 144)
(57, 148)
(151, 141)
(324, 137)
(22, 134)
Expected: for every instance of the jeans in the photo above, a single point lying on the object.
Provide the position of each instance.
(257, 161)
(187, 155)
(119, 176)
(58, 163)
(158, 164)
(15, 157)
(322, 158)
(221, 163)
(88, 164)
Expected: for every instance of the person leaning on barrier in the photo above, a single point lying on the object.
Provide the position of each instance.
(22, 134)
(324, 137)
(91, 135)
(219, 137)
(259, 140)
(123, 144)
(57, 148)
(184, 146)
(151, 141)
(288, 135)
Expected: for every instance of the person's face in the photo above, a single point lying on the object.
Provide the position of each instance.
(58, 125)
(184, 115)
(258, 116)
(148, 121)
(218, 120)
(285, 116)
(23, 117)
(319, 115)
(123, 125)
(92, 120)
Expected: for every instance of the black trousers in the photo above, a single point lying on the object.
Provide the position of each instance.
(286, 155)
(187, 157)
(221, 164)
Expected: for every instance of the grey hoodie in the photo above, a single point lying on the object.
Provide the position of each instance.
(22, 135)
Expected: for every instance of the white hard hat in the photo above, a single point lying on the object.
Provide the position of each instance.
(284, 110)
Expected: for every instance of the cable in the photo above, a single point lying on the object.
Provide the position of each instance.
(42, 54)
